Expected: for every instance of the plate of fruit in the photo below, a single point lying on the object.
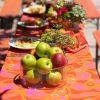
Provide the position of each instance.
(48, 62)
(34, 23)
(24, 43)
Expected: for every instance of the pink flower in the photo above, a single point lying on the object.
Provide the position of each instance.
(61, 10)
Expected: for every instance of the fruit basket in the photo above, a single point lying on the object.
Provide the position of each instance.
(45, 67)
(54, 79)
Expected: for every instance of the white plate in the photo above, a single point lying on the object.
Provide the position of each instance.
(34, 8)
(32, 27)
(12, 43)
(26, 10)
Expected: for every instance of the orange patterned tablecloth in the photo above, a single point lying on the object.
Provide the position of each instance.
(81, 81)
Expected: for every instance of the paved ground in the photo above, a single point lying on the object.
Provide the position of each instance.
(89, 28)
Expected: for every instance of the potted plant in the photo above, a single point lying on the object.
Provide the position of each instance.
(66, 14)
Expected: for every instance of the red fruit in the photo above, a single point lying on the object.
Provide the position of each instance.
(58, 60)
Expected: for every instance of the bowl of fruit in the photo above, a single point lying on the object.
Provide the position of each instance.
(46, 67)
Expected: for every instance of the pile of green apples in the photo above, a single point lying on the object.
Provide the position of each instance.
(45, 62)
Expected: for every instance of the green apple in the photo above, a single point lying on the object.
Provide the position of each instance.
(44, 65)
(42, 49)
(54, 50)
(54, 78)
(33, 77)
(30, 74)
(28, 61)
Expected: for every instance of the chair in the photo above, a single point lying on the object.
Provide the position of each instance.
(91, 10)
(11, 8)
(97, 38)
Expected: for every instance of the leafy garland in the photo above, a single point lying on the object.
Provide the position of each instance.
(55, 37)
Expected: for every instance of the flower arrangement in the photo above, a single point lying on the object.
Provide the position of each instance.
(65, 13)
(55, 37)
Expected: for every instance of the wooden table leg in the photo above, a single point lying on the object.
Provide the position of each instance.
(97, 23)
(1, 22)
(97, 51)
(96, 56)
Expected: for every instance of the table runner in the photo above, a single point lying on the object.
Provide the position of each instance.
(81, 81)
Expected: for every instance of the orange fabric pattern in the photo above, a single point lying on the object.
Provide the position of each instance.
(81, 81)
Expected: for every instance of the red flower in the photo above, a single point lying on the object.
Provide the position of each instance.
(61, 10)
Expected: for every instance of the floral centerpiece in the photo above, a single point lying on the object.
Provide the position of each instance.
(55, 37)
(66, 14)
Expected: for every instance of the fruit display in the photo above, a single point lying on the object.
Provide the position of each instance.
(46, 62)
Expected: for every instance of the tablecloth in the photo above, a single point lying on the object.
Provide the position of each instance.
(81, 82)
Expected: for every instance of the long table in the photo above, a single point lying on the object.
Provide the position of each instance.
(81, 81)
